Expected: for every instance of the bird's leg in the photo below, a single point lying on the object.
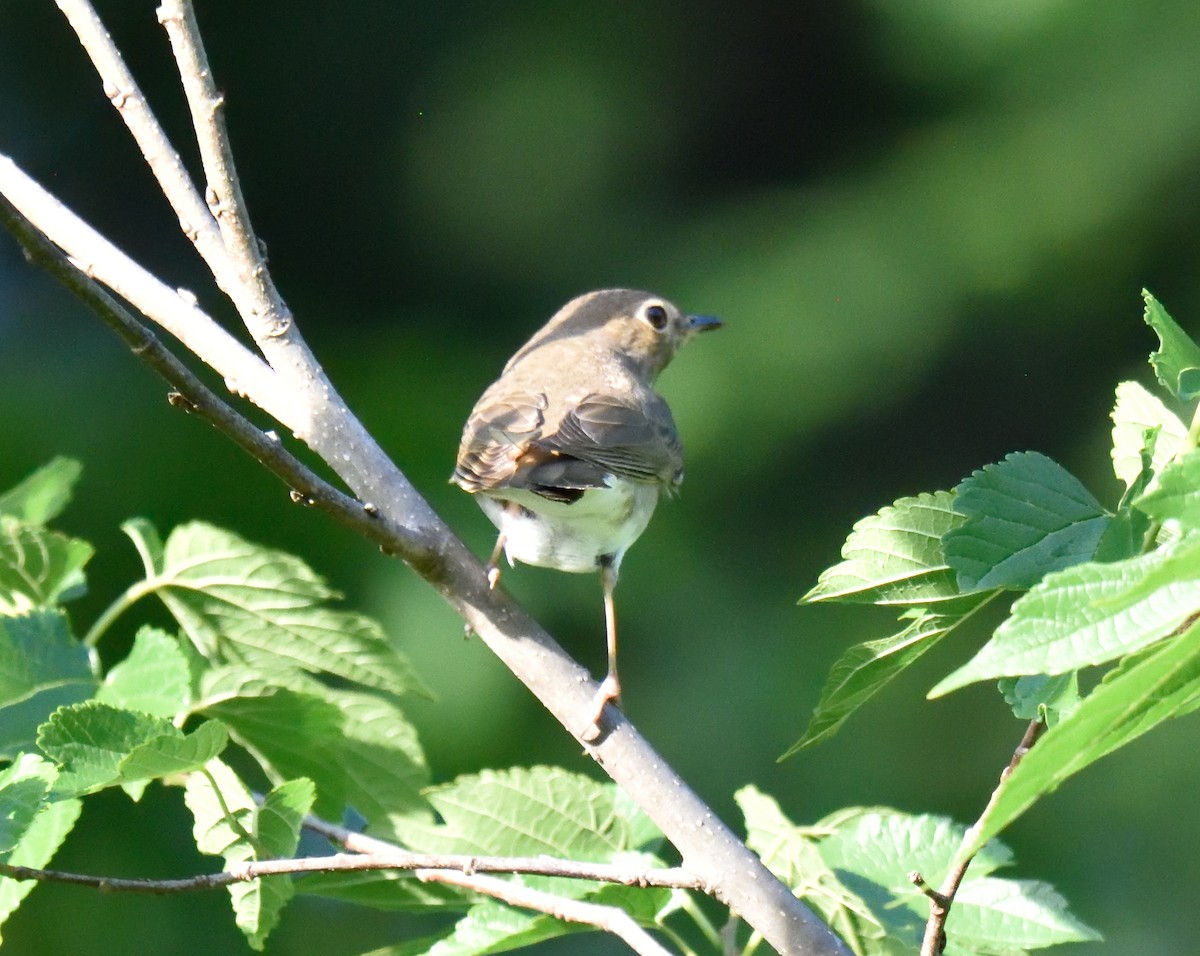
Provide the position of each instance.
(493, 564)
(610, 687)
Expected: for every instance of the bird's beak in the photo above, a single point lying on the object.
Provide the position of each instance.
(703, 323)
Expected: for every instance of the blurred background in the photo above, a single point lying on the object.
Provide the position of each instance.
(925, 223)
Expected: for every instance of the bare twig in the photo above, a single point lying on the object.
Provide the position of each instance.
(942, 899)
(394, 859)
(197, 398)
(609, 918)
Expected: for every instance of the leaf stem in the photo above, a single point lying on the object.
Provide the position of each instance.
(132, 594)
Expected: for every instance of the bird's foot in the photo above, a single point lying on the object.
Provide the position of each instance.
(609, 690)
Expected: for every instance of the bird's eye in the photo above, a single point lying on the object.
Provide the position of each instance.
(656, 315)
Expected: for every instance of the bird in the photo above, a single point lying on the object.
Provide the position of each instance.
(569, 450)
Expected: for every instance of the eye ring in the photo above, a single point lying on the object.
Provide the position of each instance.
(657, 316)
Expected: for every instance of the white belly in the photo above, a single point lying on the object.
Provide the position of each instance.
(572, 537)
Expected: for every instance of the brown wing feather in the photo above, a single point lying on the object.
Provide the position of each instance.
(494, 440)
(641, 444)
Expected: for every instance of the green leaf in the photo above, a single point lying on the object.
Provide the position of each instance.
(169, 754)
(1090, 614)
(243, 604)
(791, 853)
(38, 567)
(523, 812)
(153, 678)
(895, 556)
(42, 668)
(866, 668)
(874, 851)
(226, 823)
(386, 890)
(36, 848)
(1136, 412)
(1140, 694)
(89, 741)
(148, 542)
(359, 749)
(222, 810)
(1178, 358)
(1039, 697)
(1175, 493)
(24, 786)
(258, 904)
(1025, 517)
(44, 494)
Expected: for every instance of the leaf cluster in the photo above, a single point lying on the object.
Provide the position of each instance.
(1111, 594)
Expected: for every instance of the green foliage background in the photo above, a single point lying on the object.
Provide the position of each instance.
(925, 224)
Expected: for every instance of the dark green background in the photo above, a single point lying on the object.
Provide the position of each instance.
(925, 223)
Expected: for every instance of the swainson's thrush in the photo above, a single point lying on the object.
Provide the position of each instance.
(568, 449)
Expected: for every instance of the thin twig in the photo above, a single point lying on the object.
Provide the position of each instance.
(176, 311)
(395, 858)
(307, 487)
(267, 317)
(163, 159)
(942, 899)
(608, 918)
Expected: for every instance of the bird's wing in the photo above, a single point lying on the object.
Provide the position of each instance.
(495, 438)
(615, 438)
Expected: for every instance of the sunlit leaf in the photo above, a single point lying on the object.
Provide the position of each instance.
(1177, 361)
(242, 603)
(1090, 614)
(1026, 517)
(1146, 690)
(895, 556)
(43, 495)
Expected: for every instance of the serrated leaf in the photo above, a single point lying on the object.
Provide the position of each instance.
(170, 754)
(36, 848)
(44, 494)
(865, 669)
(227, 823)
(1040, 697)
(523, 812)
(1090, 614)
(90, 740)
(42, 667)
(24, 787)
(153, 678)
(1178, 358)
(1136, 412)
(874, 852)
(1026, 516)
(1144, 691)
(244, 604)
(359, 749)
(998, 916)
(895, 556)
(791, 853)
(38, 567)
(1175, 493)
(222, 809)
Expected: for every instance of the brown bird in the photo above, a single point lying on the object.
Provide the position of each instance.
(568, 449)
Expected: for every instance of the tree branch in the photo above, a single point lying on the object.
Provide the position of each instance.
(296, 392)
(942, 899)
